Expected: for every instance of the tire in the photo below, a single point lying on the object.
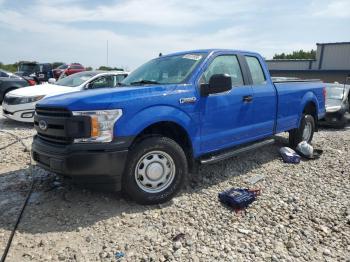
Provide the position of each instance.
(296, 135)
(155, 171)
(342, 122)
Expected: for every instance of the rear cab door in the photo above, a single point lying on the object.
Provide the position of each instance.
(264, 100)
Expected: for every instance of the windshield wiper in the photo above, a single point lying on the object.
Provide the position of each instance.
(144, 82)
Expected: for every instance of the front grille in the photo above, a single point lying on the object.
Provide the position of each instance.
(51, 125)
(50, 111)
(59, 125)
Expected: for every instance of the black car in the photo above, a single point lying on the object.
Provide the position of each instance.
(9, 82)
(41, 72)
(7, 74)
(337, 104)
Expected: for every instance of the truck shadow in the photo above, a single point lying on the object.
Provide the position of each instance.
(8, 124)
(57, 205)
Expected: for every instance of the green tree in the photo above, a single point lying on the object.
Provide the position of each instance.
(301, 54)
(107, 68)
(9, 67)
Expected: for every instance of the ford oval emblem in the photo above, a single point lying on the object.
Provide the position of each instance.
(42, 125)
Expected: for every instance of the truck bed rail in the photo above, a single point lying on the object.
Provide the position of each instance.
(295, 80)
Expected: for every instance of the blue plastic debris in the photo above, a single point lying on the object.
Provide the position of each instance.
(238, 198)
(289, 155)
(119, 255)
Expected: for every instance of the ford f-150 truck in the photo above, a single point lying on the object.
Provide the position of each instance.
(168, 116)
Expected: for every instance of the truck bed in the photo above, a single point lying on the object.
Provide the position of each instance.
(291, 98)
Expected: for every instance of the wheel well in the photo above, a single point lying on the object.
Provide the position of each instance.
(173, 131)
(310, 109)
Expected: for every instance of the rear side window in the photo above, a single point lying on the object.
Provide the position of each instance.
(226, 64)
(256, 70)
(3, 74)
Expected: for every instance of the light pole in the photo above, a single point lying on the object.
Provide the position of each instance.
(107, 53)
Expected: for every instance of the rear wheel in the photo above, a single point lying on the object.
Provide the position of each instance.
(305, 132)
(155, 170)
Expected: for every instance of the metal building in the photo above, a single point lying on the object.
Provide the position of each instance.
(332, 63)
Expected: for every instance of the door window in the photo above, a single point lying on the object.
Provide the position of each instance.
(119, 78)
(226, 64)
(101, 82)
(256, 71)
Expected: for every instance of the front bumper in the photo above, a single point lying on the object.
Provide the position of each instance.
(93, 164)
(21, 113)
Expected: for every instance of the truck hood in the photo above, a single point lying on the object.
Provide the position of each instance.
(42, 90)
(106, 98)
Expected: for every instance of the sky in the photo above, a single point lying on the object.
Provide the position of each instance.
(138, 30)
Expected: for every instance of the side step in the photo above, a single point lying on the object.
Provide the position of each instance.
(211, 159)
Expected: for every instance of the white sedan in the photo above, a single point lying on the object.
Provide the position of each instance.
(20, 104)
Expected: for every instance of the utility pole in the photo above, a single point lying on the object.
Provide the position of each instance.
(107, 52)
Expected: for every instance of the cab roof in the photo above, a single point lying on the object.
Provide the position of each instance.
(214, 50)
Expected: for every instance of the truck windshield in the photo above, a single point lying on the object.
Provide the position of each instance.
(30, 68)
(335, 92)
(165, 70)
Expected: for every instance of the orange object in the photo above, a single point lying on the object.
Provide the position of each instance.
(95, 129)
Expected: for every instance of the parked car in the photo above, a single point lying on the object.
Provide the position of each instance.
(337, 104)
(7, 74)
(11, 82)
(20, 104)
(67, 70)
(170, 114)
(41, 72)
(59, 70)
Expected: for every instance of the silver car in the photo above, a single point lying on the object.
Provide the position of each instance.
(337, 104)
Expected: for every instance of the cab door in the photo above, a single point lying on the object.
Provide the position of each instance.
(226, 118)
(264, 100)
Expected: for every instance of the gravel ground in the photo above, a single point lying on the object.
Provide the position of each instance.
(303, 212)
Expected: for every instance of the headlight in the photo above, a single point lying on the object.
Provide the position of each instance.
(102, 124)
(25, 99)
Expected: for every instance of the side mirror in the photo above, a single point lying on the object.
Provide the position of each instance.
(52, 80)
(217, 84)
(88, 85)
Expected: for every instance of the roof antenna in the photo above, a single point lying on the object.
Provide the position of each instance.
(160, 54)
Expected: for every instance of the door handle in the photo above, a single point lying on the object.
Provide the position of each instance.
(247, 99)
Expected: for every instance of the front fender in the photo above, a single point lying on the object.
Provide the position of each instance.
(134, 125)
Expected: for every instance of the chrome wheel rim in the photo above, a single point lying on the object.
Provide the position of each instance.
(155, 171)
(307, 131)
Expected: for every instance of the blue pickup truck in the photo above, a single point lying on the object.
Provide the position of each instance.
(169, 115)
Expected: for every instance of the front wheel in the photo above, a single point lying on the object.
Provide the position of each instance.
(305, 132)
(155, 170)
